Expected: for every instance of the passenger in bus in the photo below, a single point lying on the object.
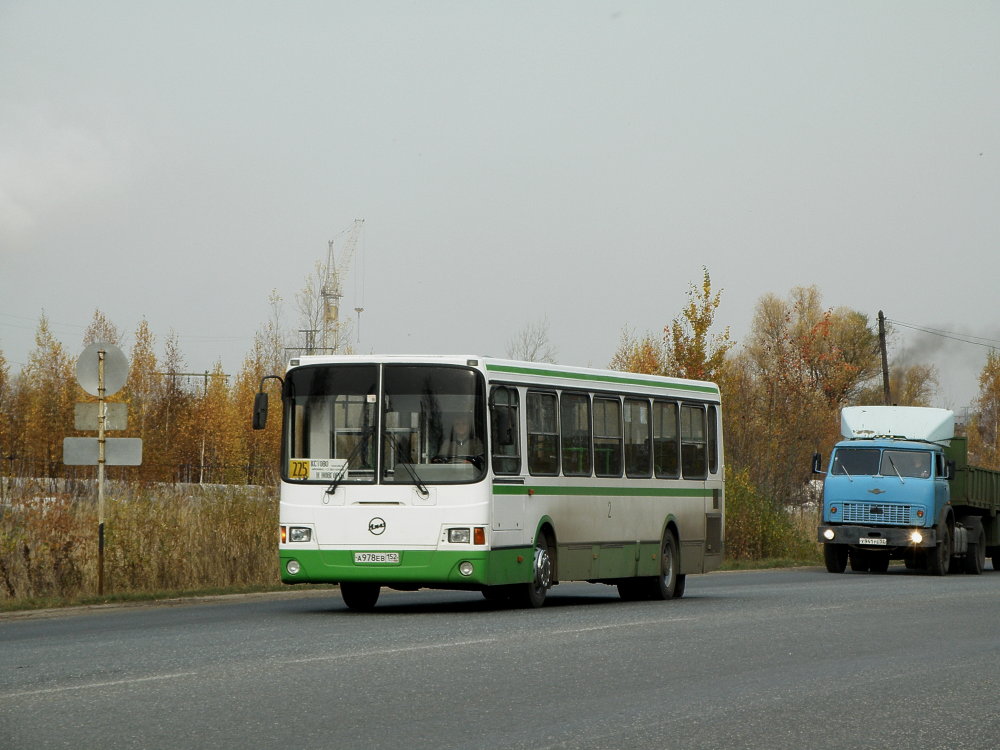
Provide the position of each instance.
(461, 441)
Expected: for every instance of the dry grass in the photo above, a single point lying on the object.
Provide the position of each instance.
(157, 538)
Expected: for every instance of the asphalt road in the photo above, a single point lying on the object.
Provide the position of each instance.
(772, 659)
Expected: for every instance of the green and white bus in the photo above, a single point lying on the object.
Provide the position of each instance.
(473, 473)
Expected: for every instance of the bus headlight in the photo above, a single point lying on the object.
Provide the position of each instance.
(828, 534)
(460, 536)
(293, 567)
(465, 568)
(916, 537)
(299, 534)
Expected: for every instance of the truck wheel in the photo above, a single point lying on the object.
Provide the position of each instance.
(975, 556)
(835, 556)
(859, 560)
(878, 562)
(939, 558)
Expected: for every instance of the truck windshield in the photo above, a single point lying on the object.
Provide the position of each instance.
(434, 425)
(906, 463)
(856, 461)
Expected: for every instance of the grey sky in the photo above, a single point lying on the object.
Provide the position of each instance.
(579, 161)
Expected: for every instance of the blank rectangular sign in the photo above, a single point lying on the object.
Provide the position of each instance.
(115, 416)
(117, 451)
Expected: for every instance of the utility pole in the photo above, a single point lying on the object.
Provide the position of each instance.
(886, 395)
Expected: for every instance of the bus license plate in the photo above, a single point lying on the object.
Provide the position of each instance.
(878, 541)
(368, 558)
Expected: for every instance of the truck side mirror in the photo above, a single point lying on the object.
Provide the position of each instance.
(260, 411)
(818, 464)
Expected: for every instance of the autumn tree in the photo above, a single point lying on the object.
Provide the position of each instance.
(47, 392)
(984, 426)
(800, 365)
(687, 349)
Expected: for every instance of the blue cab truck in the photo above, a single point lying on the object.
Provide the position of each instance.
(899, 487)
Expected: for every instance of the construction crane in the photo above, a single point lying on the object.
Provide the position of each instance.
(332, 291)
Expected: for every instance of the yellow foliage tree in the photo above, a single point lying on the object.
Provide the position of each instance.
(984, 427)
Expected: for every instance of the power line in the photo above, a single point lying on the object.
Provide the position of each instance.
(963, 337)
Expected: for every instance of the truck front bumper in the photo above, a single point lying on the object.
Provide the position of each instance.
(871, 537)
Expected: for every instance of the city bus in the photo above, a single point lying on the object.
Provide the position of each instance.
(504, 477)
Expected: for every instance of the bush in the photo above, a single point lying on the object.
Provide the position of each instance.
(756, 529)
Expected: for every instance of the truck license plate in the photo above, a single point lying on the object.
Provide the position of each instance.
(368, 558)
(877, 541)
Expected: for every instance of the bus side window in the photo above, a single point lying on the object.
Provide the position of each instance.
(637, 425)
(666, 439)
(713, 439)
(607, 437)
(543, 433)
(575, 413)
(506, 431)
(693, 443)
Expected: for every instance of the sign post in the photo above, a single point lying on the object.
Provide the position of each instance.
(101, 371)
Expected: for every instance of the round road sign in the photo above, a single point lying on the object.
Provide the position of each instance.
(115, 369)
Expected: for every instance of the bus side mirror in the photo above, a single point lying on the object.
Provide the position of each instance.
(260, 411)
(818, 464)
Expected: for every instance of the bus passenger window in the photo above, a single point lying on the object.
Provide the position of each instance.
(506, 430)
(637, 438)
(543, 434)
(713, 439)
(666, 439)
(693, 443)
(576, 434)
(607, 437)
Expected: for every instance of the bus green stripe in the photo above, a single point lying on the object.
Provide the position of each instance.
(517, 489)
(602, 378)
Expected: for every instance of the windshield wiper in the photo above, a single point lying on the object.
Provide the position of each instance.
(407, 466)
(362, 440)
(893, 465)
(844, 469)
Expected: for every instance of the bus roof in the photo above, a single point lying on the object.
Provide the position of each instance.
(533, 373)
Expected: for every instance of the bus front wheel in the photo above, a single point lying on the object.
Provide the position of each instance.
(533, 594)
(360, 596)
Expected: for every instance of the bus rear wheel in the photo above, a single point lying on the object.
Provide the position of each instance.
(360, 596)
(665, 585)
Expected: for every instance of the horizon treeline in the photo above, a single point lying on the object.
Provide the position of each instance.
(783, 388)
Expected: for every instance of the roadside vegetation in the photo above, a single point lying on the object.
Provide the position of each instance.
(200, 514)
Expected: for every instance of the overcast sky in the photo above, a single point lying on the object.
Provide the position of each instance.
(573, 161)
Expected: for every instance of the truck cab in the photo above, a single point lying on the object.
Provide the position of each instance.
(886, 493)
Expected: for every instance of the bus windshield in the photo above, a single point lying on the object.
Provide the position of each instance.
(434, 419)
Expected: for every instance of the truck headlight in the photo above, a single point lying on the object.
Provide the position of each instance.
(916, 537)
(828, 534)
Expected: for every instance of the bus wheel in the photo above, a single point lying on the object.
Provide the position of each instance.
(939, 558)
(533, 594)
(835, 556)
(359, 596)
(664, 586)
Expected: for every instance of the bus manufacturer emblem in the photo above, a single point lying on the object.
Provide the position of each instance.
(376, 526)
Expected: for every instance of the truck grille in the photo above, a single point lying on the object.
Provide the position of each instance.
(876, 513)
